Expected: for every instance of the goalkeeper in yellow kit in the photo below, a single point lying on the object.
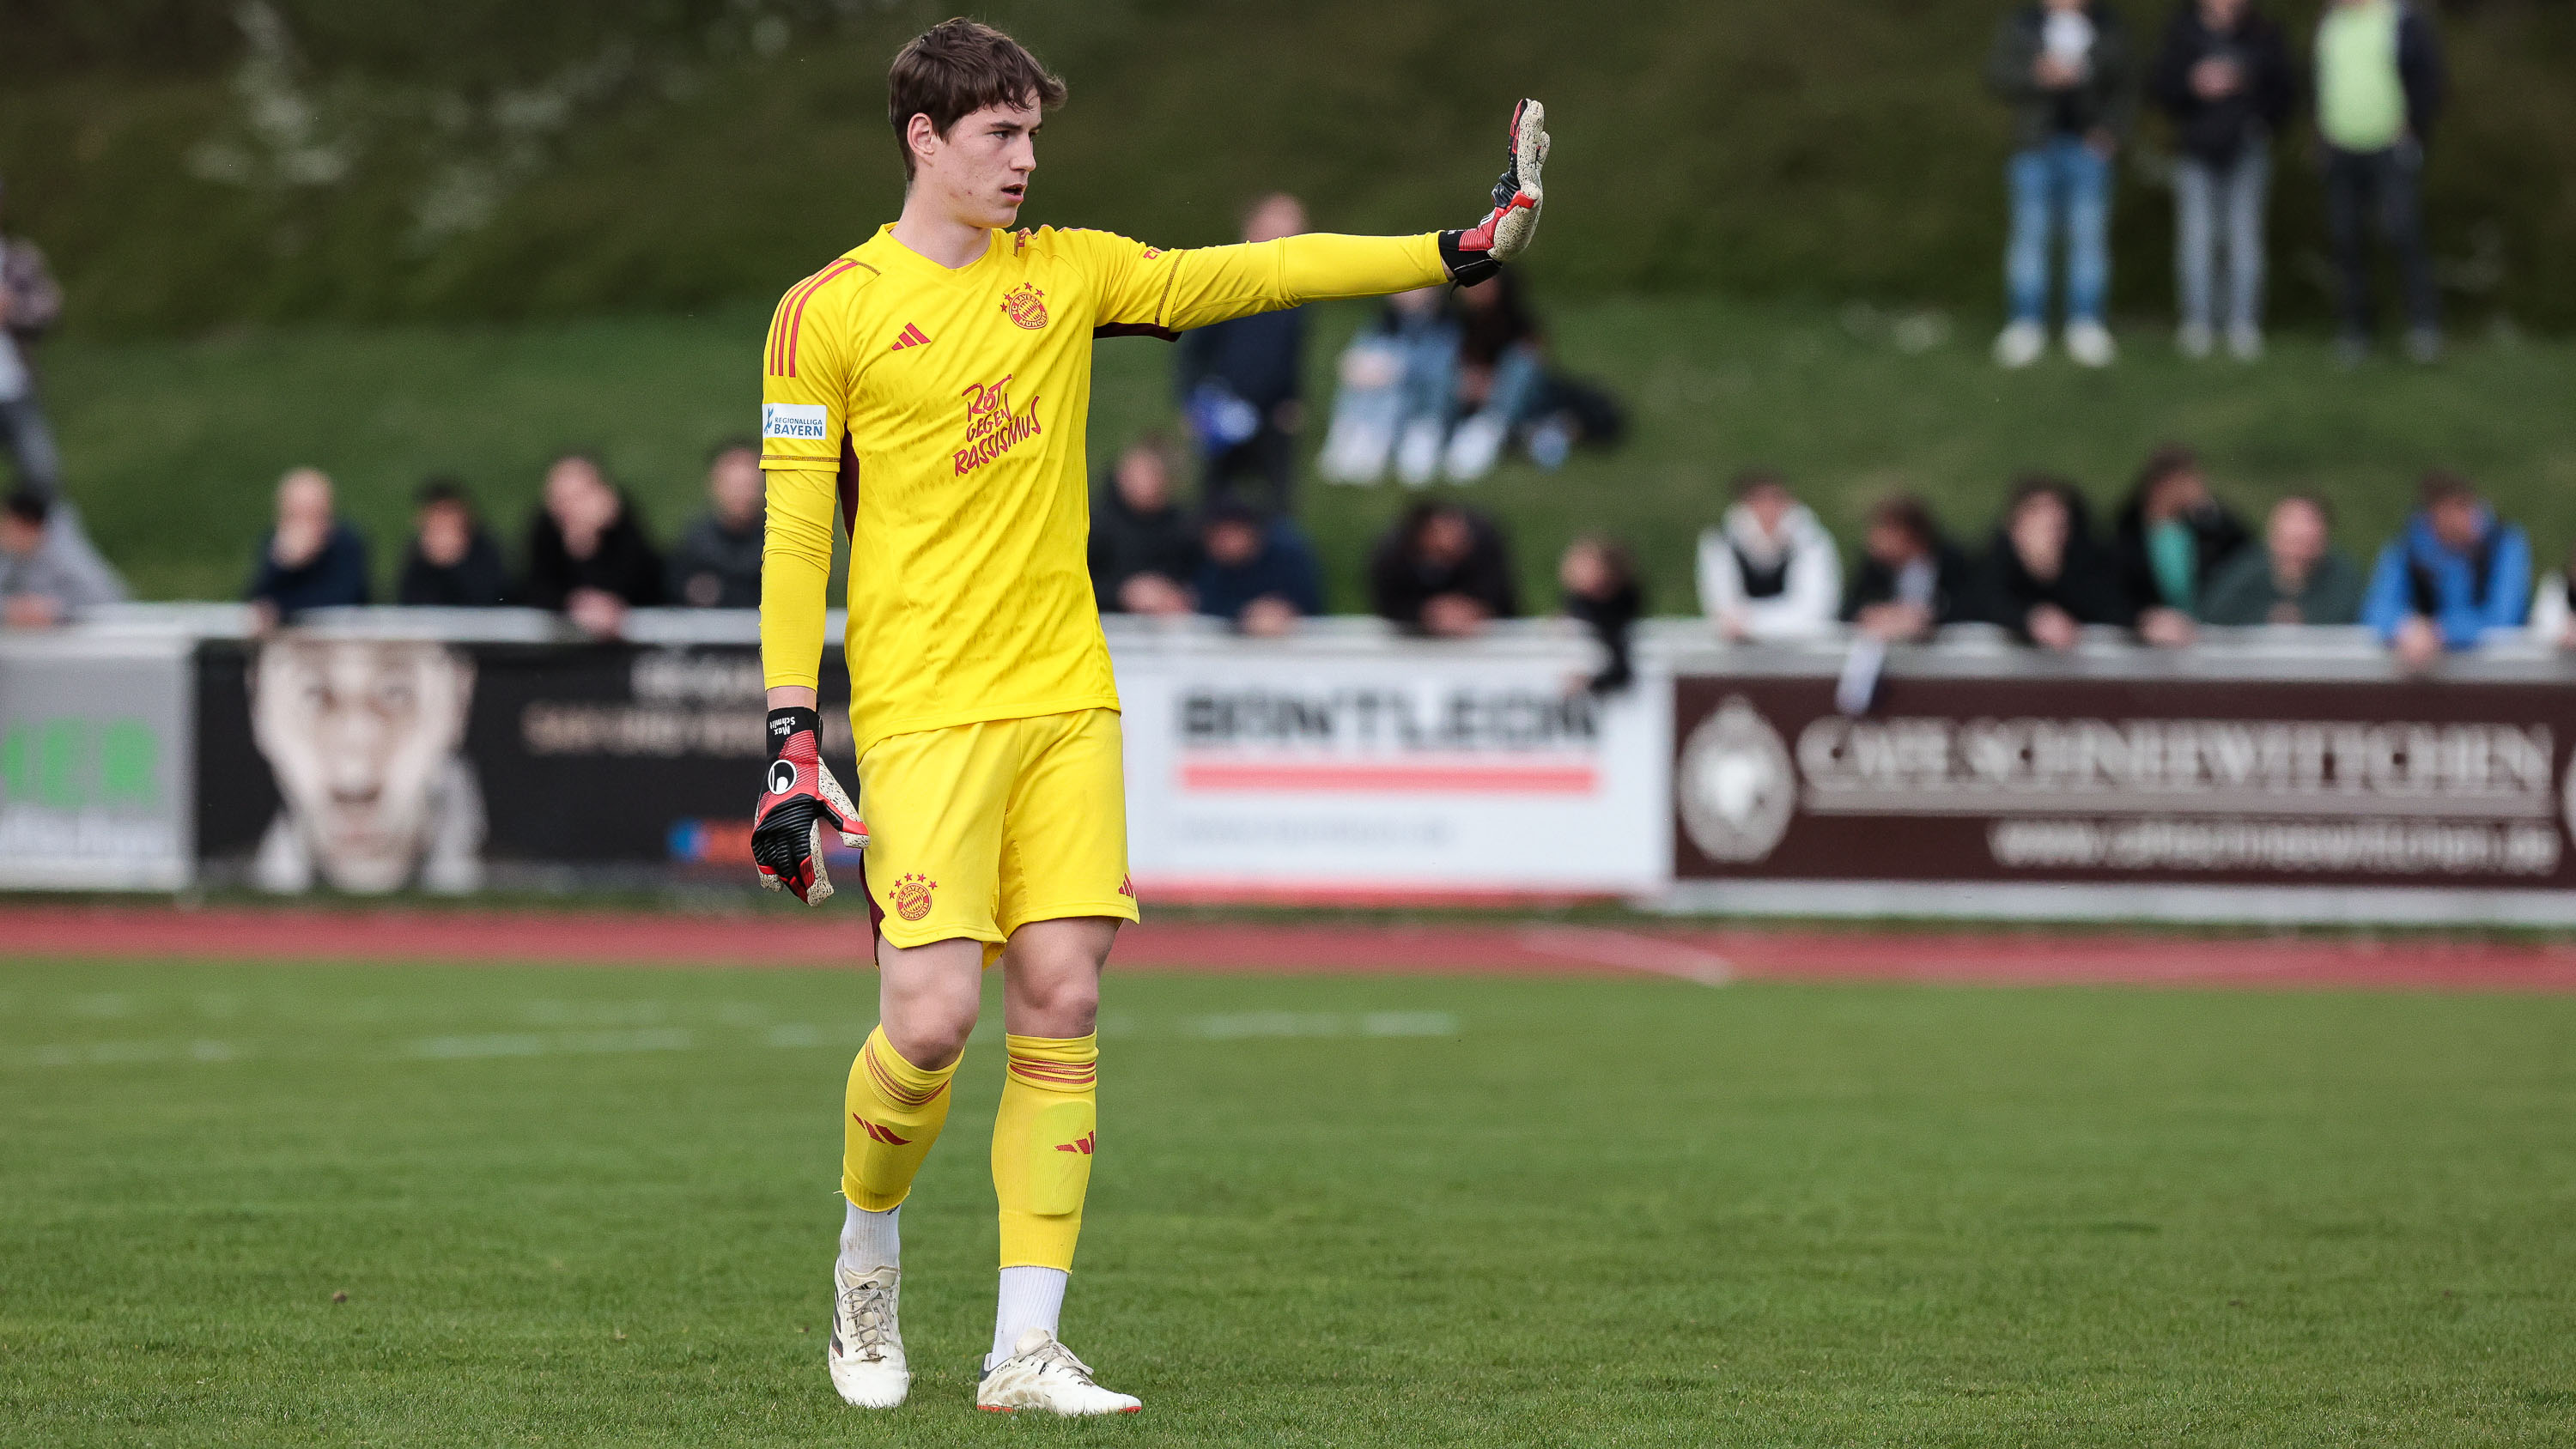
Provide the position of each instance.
(931, 386)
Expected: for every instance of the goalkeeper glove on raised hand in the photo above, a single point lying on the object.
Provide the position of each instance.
(1473, 256)
(798, 800)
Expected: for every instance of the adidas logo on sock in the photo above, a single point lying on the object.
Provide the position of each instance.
(912, 336)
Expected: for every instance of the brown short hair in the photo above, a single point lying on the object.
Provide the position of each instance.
(956, 68)
(2444, 486)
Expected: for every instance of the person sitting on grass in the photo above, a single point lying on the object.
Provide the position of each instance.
(2045, 576)
(2171, 537)
(1144, 550)
(2294, 576)
(1911, 581)
(1443, 570)
(1259, 575)
(1768, 570)
(44, 579)
(2455, 572)
(453, 562)
(588, 555)
(311, 559)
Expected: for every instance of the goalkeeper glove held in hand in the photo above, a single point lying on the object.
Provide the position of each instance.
(1473, 256)
(798, 800)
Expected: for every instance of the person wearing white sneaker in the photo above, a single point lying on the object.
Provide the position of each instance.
(2064, 67)
(866, 1351)
(1040, 1373)
(2089, 343)
(2021, 343)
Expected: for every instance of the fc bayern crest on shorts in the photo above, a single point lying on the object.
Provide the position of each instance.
(1027, 306)
(912, 896)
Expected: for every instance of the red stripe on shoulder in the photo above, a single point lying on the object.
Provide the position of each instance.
(805, 294)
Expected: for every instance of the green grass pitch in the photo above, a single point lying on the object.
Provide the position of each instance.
(591, 1207)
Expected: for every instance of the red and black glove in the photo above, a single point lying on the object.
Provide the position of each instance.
(1472, 256)
(799, 799)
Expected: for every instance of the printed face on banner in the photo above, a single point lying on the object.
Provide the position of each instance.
(364, 737)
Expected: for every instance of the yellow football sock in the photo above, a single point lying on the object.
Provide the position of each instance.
(1042, 1144)
(895, 1112)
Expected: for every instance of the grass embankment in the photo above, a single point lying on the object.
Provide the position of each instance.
(597, 1208)
(173, 446)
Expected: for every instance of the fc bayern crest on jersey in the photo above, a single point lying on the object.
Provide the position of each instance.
(1027, 306)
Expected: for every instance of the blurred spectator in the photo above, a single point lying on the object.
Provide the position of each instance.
(2224, 76)
(1144, 552)
(2455, 572)
(1241, 381)
(588, 555)
(2172, 537)
(1259, 573)
(2553, 607)
(44, 579)
(1769, 570)
(2064, 65)
(453, 561)
(1599, 577)
(2045, 576)
(1501, 371)
(1399, 380)
(1443, 570)
(1911, 580)
(2379, 88)
(310, 560)
(29, 304)
(716, 564)
(2294, 576)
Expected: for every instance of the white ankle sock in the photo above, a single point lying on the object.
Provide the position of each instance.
(870, 1241)
(1031, 1298)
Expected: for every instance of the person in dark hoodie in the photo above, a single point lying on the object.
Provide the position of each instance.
(452, 562)
(1910, 581)
(311, 559)
(1603, 593)
(2224, 75)
(2045, 576)
(1443, 570)
(2172, 537)
(1257, 574)
(2064, 67)
(588, 554)
(1144, 550)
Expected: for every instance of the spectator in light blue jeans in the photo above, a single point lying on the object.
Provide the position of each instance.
(2224, 76)
(2064, 66)
(1398, 393)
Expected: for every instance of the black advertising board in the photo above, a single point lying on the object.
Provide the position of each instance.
(2172, 781)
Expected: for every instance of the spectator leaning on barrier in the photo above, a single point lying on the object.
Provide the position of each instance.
(1602, 591)
(2064, 65)
(453, 561)
(44, 578)
(1241, 381)
(716, 564)
(30, 303)
(2294, 576)
(310, 559)
(1911, 581)
(2224, 75)
(2553, 607)
(1258, 574)
(2379, 89)
(588, 554)
(1398, 382)
(1443, 570)
(2455, 572)
(2045, 576)
(2171, 538)
(1768, 570)
(1144, 550)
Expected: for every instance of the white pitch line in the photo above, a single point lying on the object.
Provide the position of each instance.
(1632, 951)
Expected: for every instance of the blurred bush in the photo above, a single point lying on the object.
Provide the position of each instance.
(192, 165)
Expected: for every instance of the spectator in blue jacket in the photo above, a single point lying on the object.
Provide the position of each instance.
(311, 559)
(1258, 574)
(2454, 573)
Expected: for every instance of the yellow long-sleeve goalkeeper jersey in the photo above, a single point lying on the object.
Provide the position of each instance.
(943, 413)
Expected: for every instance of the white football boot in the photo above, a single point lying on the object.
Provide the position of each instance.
(866, 1353)
(1043, 1374)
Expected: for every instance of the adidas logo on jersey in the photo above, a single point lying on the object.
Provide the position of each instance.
(912, 336)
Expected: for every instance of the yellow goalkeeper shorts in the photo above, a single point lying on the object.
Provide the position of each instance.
(978, 829)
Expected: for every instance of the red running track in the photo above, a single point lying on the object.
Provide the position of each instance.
(1709, 955)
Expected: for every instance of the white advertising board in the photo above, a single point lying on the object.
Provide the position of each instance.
(96, 763)
(1370, 769)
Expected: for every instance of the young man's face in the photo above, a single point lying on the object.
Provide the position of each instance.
(980, 169)
(2455, 522)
